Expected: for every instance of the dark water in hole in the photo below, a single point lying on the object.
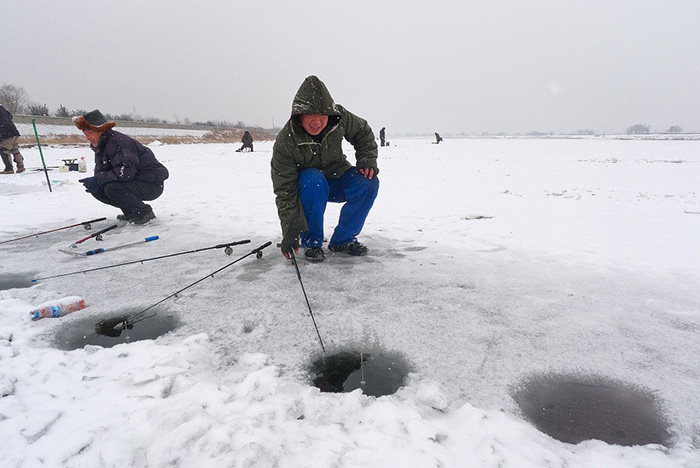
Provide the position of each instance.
(382, 373)
(20, 280)
(574, 409)
(88, 331)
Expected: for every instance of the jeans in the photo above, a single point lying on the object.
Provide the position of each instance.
(352, 188)
(129, 196)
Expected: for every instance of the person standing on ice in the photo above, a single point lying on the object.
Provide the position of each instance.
(9, 148)
(309, 169)
(382, 136)
(126, 172)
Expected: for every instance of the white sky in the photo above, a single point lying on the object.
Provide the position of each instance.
(411, 66)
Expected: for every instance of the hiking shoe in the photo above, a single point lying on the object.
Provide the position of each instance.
(353, 248)
(8, 171)
(315, 254)
(125, 217)
(143, 219)
(20, 168)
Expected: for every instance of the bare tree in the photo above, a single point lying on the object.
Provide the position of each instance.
(13, 98)
(675, 129)
(62, 111)
(638, 129)
(37, 109)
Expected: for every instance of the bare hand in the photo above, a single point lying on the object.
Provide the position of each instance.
(368, 172)
(287, 256)
(288, 244)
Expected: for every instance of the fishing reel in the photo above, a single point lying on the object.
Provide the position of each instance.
(228, 250)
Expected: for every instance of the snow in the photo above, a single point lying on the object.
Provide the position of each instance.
(491, 261)
(28, 129)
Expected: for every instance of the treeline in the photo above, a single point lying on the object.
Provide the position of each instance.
(16, 100)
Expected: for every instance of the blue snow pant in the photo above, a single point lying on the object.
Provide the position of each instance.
(315, 191)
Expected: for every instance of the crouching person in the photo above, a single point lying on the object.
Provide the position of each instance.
(309, 170)
(126, 172)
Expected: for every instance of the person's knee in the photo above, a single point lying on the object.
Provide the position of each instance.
(112, 189)
(311, 177)
(373, 188)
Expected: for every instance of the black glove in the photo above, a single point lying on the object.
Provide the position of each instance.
(289, 244)
(90, 183)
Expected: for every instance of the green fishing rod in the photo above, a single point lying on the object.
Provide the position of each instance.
(41, 153)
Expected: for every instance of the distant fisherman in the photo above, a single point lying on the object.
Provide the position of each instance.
(9, 148)
(309, 169)
(126, 172)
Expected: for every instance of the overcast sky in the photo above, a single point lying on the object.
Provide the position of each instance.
(409, 65)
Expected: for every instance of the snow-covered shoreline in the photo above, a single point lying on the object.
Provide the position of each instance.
(491, 261)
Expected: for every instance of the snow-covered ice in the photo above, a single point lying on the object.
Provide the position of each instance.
(28, 129)
(492, 261)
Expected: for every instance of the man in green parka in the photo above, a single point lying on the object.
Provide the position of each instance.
(309, 169)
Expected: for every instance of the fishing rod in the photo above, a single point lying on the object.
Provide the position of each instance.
(296, 266)
(107, 249)
(107, 326)
(227, 250)
(97, 235)
(41, 153)
(86, 224)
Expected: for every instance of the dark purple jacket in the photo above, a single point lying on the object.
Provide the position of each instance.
(120, 158)
(7, 126)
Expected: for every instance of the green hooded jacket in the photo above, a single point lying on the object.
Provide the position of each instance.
(296, 150)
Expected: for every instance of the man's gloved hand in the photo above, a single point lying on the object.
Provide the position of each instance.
(289, 244)
(90, 183)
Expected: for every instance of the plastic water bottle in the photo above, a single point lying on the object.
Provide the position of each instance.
(57, 307)
(82, 165)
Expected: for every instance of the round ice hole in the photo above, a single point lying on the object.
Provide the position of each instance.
(108, 331)
(16, 281)
(376, 373)
(577, 408)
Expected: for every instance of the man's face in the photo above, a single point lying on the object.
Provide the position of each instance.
(92, 136)
(314, 123)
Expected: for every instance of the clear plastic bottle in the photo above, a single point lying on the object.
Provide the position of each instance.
(57, 307)
(82, 165)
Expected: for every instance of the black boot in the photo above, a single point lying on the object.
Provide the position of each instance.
(353, 248)
(315, 254)
(143, 219)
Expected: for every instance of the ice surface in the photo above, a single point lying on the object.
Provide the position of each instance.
(492, 261)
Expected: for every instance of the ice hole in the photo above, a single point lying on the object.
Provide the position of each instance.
(16, 281)
(93, 331)
(375, 372)
(573, 409)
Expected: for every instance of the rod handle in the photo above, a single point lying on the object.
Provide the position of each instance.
(266, 244)
(93, 221)
(246, 241)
